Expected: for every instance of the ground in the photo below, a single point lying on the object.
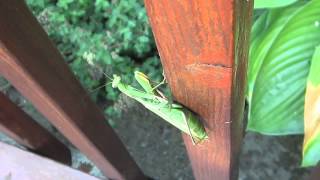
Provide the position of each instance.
(158, 149)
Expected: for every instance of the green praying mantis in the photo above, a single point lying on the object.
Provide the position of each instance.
(152, 99)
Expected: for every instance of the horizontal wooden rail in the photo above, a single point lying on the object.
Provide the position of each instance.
(35, 67)
(19, 164)
(15, 123)
(203, 45)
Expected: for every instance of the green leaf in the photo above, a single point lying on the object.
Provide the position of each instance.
(272, 3)
(314, 74)
(64, 3)
(282, 46)
(311, 146)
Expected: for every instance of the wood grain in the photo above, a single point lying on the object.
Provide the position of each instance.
(35, 67)
(203, 45)
(15, 123)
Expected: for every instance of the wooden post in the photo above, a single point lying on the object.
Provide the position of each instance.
(15, 123)
(35, 67)
(203, 45)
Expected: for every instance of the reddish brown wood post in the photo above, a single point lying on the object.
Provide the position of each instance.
(35, 67)
(203, 45)
(18, 125)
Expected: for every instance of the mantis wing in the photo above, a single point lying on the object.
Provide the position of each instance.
(175, 114)
(181, 118)
(144, 82)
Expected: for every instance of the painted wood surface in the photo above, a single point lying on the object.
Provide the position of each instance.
(203, 45)
(17, 164)
(15, 123)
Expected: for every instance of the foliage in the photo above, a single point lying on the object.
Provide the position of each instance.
(283, 42)
(311, 146)
(272, 3)
(4, 84)
(113, 36)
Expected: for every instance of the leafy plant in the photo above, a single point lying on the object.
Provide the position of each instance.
(272, 3)
(283, 42)
(311, 146)
(114, 36)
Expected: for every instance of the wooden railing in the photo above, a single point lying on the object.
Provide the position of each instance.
(32, 64)
(203, 46)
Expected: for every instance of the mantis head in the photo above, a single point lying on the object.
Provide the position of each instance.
(116, 80)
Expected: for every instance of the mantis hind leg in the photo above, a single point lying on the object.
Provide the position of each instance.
(164, 81)
(194, 142)
(158, 85)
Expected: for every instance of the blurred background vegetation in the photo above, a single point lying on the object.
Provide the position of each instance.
(113, 36)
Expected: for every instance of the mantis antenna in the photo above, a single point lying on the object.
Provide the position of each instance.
(99, 87)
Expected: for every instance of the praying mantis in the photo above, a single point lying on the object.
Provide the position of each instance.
(174, 113)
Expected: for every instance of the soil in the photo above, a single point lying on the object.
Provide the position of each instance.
(158, 149)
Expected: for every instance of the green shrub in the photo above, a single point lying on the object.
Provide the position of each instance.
(113, 36)
(284, 41)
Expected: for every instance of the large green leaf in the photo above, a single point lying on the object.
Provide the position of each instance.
(311, 146)
(272, 3)
(282, 44)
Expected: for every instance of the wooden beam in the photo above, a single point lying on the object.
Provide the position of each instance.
(15, 123)
(203, 45)
(19, 164)
(35, 67)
